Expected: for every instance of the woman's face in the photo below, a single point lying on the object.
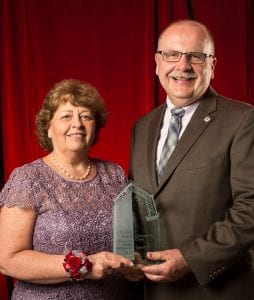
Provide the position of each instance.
(72, 129)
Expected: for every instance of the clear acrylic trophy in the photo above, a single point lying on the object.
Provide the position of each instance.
(135, 224)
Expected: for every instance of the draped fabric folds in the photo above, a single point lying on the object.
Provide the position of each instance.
(110, 44)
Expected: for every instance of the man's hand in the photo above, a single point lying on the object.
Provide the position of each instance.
(174, 267)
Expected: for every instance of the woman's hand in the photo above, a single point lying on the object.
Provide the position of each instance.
(132, 273)
(106, 262)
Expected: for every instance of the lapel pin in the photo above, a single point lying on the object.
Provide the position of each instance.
(207, 119)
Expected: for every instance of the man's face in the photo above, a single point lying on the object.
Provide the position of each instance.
(184, 82)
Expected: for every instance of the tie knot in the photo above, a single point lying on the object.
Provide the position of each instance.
(178, 112)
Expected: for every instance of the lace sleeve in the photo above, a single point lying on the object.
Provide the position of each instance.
(19, 189)
(117, 174)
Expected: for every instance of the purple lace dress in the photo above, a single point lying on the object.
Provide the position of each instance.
(70, 215)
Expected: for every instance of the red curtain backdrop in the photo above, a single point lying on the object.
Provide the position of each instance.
(111, 44)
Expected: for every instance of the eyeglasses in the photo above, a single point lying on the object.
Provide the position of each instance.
(192, 57)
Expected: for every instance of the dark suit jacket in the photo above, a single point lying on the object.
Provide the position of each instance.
(206, 198)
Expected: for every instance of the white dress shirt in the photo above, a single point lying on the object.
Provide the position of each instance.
(189, 111)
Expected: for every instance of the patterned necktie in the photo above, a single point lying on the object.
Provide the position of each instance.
(171, 140)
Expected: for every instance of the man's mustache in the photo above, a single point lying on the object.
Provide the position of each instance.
(183, 75)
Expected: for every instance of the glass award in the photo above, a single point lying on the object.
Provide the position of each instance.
(135, 224)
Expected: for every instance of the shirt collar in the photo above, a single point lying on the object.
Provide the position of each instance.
(188, 109)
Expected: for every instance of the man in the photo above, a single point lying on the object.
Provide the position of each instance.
(204, 191)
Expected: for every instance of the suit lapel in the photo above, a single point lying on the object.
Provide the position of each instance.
(201, 119)
(153, 136)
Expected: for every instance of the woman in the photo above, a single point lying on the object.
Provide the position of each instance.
(56, 212)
